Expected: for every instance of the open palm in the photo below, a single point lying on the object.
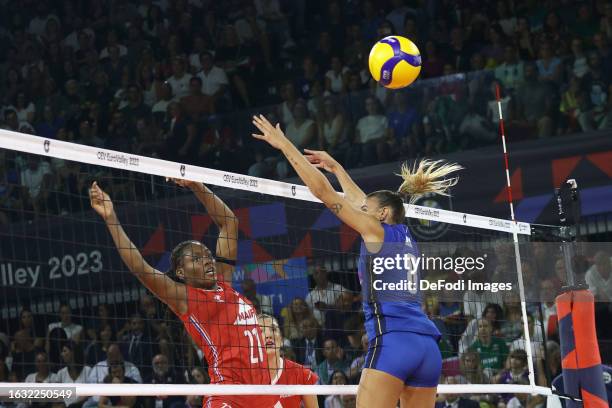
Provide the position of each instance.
(271, 134)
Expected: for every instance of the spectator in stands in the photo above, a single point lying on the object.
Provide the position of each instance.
(494, 314)
(198, 375)
(72, 330)
(36, 179)
(536, 337)
(571, 101)
(10, 120)
(25, 109)
(308, 348)
(196, 105)
(596, 87)
(549, 66)
(50, 123)
(354, 371)
(333, 129)
(510, 70)
(179, 81)
(401, 117)
(335, 77)
(492, 350)
(113, 355)
(26, 322)
(181, 143)
(74, 371)
(371, 134)
(579, 63)
(289, 98)
(533, 104)
(308, 77)
(103, 318)
(43, 373)
(475, 301)
(53, 345)
(324, 294)
(455, 400)
(302, 131)
(237, 60)
(470, 365)
(249, 290)
(135, 108)
(433, 62)
(163, 374)
(138, 344)
(160, 109)
(337, 314)
(23, 354)
(293, 316)
(599, 277)
(214, 79)
(338, 377)
(333, 360)
(516, 373)
(117, 375)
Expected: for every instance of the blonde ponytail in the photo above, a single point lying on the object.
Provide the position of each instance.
(427, 176)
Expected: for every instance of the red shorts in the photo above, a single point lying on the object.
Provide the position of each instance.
(241, 401)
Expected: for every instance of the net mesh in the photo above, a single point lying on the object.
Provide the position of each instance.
(67, 296)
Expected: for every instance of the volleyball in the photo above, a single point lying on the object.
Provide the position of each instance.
(395, 62)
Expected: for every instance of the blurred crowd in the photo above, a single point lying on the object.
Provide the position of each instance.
(483, 338)
(179, 79)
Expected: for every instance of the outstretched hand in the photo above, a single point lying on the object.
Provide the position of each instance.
(271, 134)
(100, 201)
(321, 159)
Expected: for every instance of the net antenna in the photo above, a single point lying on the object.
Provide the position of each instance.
(517, 252)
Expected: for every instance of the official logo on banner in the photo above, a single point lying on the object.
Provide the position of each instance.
(293, 192)
(46, 145)
(182, 170)
(427, 229)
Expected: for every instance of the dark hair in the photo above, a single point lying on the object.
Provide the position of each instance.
(499, 314)
(331, 377)
(78, 355)
(177, 253)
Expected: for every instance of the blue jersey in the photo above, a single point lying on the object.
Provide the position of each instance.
(391, 297)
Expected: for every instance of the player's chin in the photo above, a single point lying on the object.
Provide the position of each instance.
(209, 279)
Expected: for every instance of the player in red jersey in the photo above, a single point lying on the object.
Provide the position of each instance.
(284, 371)
(220, 321)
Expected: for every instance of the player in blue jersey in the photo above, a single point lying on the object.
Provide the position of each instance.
(403, 361)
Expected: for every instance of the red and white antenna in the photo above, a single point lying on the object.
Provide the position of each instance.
(517, 253)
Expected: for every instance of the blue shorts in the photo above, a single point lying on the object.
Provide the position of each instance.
(412, 357)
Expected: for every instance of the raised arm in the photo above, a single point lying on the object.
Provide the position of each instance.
(226, 221)
(369, 227)
(172, 293)
(325, 161)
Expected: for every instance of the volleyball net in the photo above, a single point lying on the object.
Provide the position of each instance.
(66, 295)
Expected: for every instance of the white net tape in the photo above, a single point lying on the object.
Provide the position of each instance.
(211, 389)
(126, 161)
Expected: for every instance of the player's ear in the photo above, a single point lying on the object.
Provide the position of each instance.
(180, 273)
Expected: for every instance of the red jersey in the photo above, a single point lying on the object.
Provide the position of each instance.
(292, 373)
(224, 326)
